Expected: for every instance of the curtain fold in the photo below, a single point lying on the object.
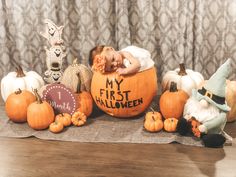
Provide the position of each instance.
(200, 33)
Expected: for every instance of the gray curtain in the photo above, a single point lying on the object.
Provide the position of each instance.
(200, 33)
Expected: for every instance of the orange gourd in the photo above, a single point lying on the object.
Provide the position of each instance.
(17, 104)
(124, 96)
(78, 118)
(40, 114)
(170, 124)
(64, 118)
(56, 127)
(153, 122)
(172, 102)
(84, 100)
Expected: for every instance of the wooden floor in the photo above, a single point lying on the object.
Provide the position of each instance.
(32, 157)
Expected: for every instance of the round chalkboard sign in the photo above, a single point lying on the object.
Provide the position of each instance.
(60, 98)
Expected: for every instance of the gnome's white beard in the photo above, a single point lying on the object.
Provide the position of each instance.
(202, 114)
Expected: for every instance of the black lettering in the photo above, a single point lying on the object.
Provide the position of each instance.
(118, 83)
(101, 92)
(126, 95)
(121, 95)
(109, 83)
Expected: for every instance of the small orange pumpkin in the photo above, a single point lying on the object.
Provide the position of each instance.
(56, 127)
(84, 100)
(78, 118)
(170, 124)
(17, 104)
(64, 118)
(153, 122)
(172, 102)
(40, 114)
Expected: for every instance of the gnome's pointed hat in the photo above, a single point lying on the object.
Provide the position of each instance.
(214, 89)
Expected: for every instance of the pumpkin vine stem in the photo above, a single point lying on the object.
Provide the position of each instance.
(182, 71)
(18, 91)
(38, 98)
(78, 89)
(75, 62)
(20, 72)
(173, 87)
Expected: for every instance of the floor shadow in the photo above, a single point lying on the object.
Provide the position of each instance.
(203, 158)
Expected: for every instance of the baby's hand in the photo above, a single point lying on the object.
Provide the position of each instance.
(121, 71)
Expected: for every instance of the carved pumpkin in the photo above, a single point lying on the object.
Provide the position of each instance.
(78, 118)
(124, 96)
(172, 102)
(20, 79)
(230, 99)
(186, 79)
(153, 122)
(17, 104)
(170, 124)
(56, 127)
(64, 118)
(39, 114)
(70, 77)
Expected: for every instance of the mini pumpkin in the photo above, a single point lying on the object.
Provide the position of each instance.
(78, 118)
(153, 122)
(56, 127)
(17, 104)
(170, 124)
(64, 118)
(70, 77)
(20, 79)
(172, 102)
(40, 114)
(186, 79)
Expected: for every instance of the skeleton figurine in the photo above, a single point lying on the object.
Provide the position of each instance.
(52, 33)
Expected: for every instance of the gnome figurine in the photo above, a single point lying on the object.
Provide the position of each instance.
(205, 111)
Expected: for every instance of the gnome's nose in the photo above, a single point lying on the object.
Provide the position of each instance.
(204, 103)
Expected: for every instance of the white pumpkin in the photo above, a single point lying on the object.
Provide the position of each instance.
(20, 79)
(186, 79)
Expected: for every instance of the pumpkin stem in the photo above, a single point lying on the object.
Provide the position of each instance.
(62, 114)
(173, 87)
(19, 91)
(75, 62)
(38, 98)
(19, 72)
(182, 71)
(78, 90)
(153, 118)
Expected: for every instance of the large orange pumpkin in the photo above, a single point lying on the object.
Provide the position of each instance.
(17, 104)
(40, 114)
(124, 96)
(172, 102)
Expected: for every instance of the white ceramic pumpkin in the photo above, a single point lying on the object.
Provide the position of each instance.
(186, 79)
(20, 79)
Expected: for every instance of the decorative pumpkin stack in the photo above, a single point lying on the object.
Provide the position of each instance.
(20, 80)
(186, 79)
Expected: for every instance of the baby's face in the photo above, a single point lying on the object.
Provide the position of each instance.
(113, 58)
